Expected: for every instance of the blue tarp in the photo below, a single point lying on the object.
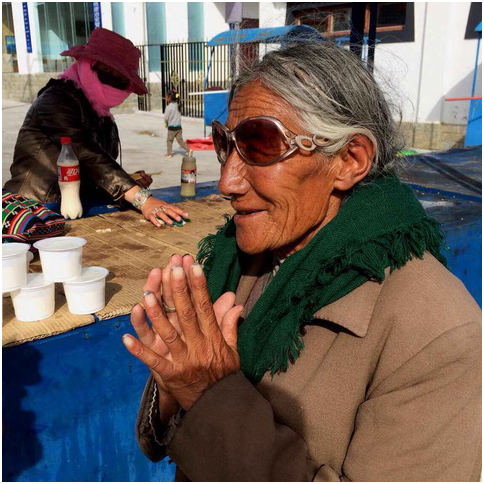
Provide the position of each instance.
(266, 35)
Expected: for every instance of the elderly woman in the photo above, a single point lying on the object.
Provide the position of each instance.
(338, 345)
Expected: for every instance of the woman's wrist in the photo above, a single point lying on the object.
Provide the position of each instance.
(137, 196)
(128, 195)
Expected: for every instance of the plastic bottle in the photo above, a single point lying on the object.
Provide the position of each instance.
(188, 175)
(69, 180)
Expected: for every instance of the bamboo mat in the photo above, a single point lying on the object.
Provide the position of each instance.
(129, 246)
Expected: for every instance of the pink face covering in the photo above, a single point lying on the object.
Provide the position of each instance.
(101, 96)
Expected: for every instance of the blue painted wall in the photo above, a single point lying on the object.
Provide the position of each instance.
(156, 25)
(463, 259)
(69, 409)
(195, 34)
(195, 21)
(117, 11)
(474, 124)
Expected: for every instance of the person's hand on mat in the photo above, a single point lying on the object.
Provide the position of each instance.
(192, 350)
(161, 213)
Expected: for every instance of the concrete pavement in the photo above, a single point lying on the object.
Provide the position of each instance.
(143, 142)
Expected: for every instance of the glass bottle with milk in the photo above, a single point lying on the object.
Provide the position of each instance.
(69, 180)
(188, 175)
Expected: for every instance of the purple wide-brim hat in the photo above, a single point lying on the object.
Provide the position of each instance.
(113, 50)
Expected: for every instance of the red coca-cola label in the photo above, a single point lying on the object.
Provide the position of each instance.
(68, 173)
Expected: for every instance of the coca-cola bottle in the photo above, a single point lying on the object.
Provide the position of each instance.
(69, 180)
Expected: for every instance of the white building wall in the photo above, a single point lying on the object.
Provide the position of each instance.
(214, 19)
(106, 15)
(272, 14)
(135, 22)
(28, 63)
(459, 66)
(250, 10)
(419, 75)
(176, 21)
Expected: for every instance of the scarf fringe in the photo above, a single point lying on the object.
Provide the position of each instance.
(396, 249)
(272, 339)
(392, 250)
(206, 253)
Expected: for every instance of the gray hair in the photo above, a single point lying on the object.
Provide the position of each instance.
(334, 94)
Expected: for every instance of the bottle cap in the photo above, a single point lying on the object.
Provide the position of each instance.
(65, 140)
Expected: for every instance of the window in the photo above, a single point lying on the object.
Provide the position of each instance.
(318, 20)
(336, 20)
(9, 51)
(341, 20)
(473, 20)
(62, 25)
(391, 15)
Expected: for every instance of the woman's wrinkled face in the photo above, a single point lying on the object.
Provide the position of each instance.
(279, 207)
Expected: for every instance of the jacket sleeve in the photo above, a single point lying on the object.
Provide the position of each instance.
(166, 116)
(60, 114)
(422, 423)
(230, 434)
(151, 434)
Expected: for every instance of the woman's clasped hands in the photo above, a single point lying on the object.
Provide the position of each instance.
(191, 343)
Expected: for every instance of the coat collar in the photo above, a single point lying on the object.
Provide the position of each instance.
(352, 312)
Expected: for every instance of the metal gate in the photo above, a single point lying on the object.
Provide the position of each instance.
(193, 67)
(144, 100)
(184, 68)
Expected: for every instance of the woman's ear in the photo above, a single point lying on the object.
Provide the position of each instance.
(354, 162)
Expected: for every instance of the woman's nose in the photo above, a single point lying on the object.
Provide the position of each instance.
(233, 176)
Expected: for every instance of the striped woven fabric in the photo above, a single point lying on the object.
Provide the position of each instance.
(25, 220)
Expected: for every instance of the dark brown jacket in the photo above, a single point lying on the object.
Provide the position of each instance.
(63, 110)
(387, 388)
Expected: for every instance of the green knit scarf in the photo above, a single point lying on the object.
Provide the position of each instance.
(380, 225)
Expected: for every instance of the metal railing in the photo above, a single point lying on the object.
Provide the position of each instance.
(188, 68)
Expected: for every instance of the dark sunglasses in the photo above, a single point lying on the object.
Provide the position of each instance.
(109, 78)
(261, 141)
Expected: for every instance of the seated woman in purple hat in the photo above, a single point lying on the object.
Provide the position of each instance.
(78, 105)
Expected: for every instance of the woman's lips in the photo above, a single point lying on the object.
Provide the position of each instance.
(246, 213)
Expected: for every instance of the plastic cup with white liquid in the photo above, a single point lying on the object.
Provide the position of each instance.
(30, 257)
(61, 257)
(14, 266)
(86, 294)
(35, 300)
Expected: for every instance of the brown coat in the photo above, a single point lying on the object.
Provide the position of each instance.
(387, 388)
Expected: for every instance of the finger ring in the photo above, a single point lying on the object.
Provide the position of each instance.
(167, 308)
(158, 209)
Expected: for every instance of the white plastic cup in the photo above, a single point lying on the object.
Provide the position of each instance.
(34, 301)
(61, 257)
(14, 266)
(30, 256)
(86, 294)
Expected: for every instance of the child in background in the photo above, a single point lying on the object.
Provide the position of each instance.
(173, 123)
